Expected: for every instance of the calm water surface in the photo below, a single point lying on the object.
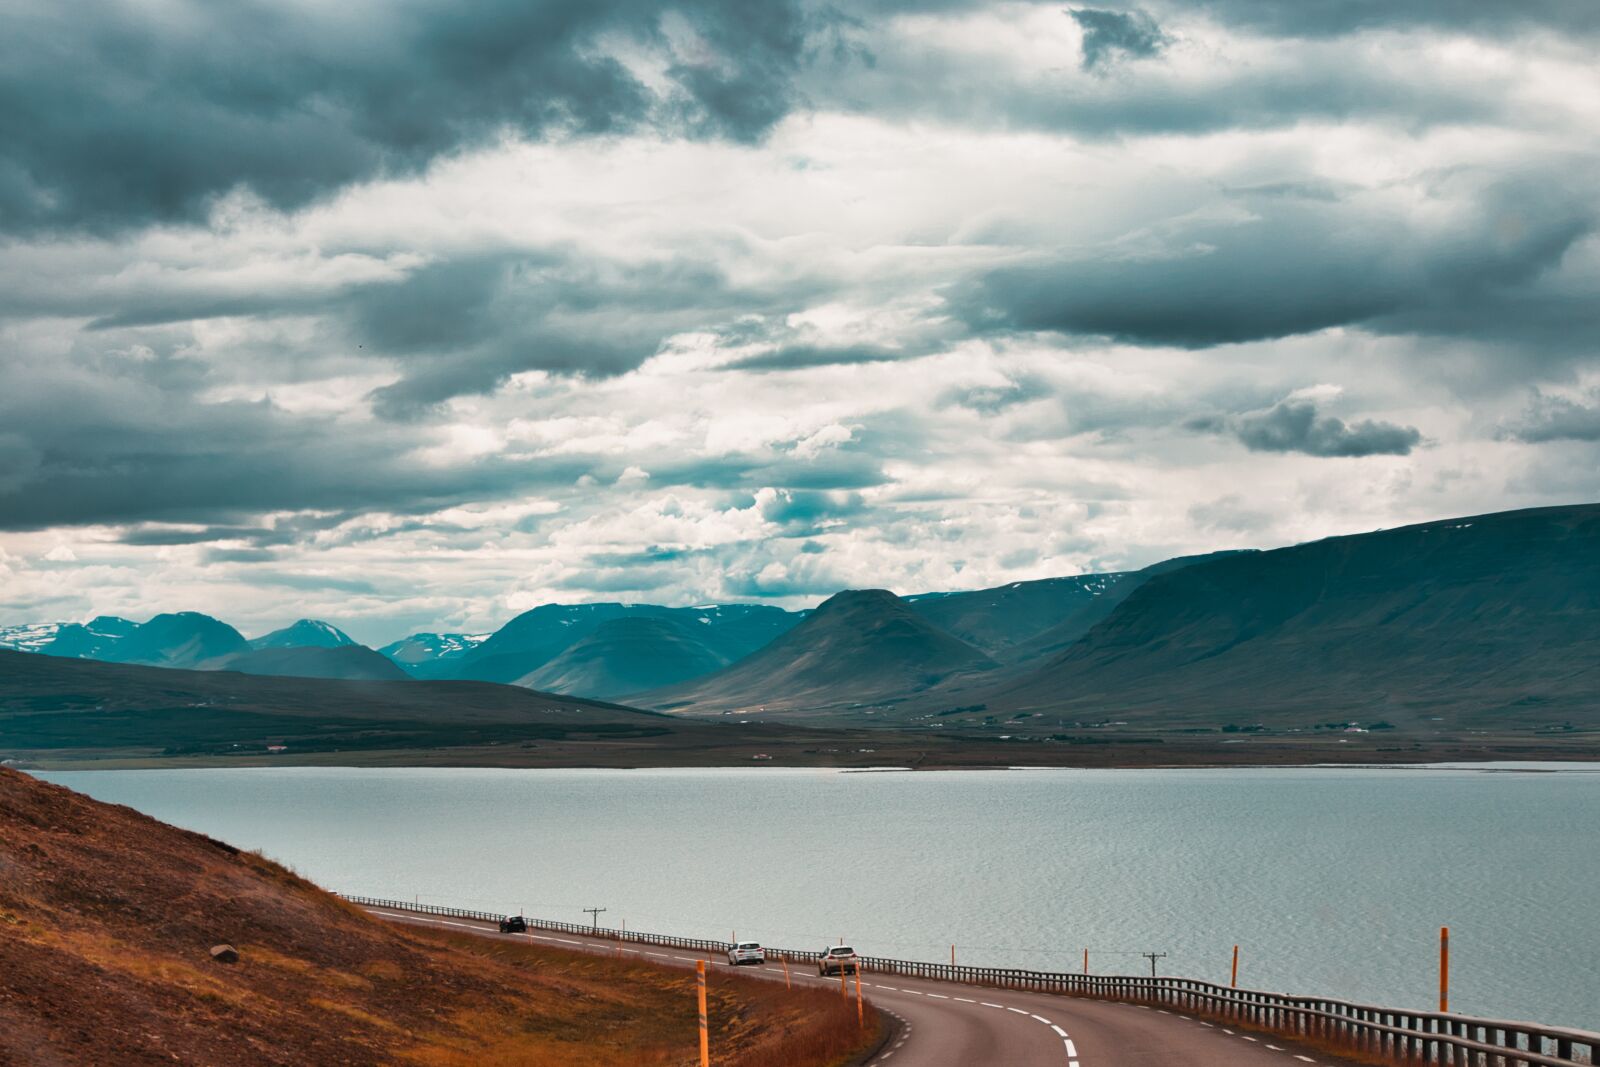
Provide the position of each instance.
(1332, 881)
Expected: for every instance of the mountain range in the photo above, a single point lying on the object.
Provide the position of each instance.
(189, 639)
(1475, 621)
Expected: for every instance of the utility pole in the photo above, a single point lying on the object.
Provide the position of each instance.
(1152, 957)
(594, 917)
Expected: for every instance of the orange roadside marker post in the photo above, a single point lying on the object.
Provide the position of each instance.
(785, 961)
(1444, 968)
(952, 955)
(705, 1034)
(844, 983)
(1233, 983)
(1085, 961)
(861, 1012)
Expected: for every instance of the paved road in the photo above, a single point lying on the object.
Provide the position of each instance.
(945, 1024)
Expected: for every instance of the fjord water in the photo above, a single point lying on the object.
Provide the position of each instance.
(1332, 881)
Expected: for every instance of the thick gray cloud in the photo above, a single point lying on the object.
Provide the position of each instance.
(1557, 418)
(115, 114)
(1295, 425)
(1295, 266)
(1109, 34)
(133, 442)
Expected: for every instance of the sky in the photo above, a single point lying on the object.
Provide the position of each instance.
(412, 315)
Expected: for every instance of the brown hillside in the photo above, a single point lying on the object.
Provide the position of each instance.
(107, 916)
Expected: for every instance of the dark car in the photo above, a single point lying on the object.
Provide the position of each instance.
(516, 924)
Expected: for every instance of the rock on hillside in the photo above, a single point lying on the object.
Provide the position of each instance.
(858, 646)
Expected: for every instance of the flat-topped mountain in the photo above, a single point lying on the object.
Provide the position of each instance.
(1482, 621)
(858, 646)
(627, 655)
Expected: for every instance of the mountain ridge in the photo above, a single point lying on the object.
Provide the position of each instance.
(858, 646)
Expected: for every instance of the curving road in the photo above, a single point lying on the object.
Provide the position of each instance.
(945, 1024)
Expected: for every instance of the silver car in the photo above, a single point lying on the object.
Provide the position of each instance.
(840, 959)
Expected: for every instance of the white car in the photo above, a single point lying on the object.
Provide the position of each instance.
(840, 959)
(746, 952)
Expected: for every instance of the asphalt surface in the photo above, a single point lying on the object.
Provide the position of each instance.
(946, 1024)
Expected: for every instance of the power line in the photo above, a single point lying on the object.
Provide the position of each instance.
(1152, 957)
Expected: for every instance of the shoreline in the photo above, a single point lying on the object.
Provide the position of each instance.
(903, 755)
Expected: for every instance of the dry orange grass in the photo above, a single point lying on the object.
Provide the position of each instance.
(106, 917)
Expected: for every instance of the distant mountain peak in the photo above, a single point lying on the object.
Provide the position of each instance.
(305, 633)
(858, 646)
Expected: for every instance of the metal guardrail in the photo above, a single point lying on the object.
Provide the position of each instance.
(1407, 1037)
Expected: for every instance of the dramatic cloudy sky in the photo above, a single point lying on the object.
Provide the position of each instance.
(413, 314)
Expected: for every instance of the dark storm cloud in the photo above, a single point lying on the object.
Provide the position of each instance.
(464, 326)
(1322, 80)
(1557, 418)
(803, 512)
(134, 443)
(115, 114)
(1298, 266)
(1328, 18)
(1295, 425)
(165, 536)
(1109, 34)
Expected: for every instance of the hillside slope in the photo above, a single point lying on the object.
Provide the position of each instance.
(858, 646)
(1474, 622)
(999, 620)
(48, 703)
(627, 655)
(109, 916)
(338, 661)
(1087, 613)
